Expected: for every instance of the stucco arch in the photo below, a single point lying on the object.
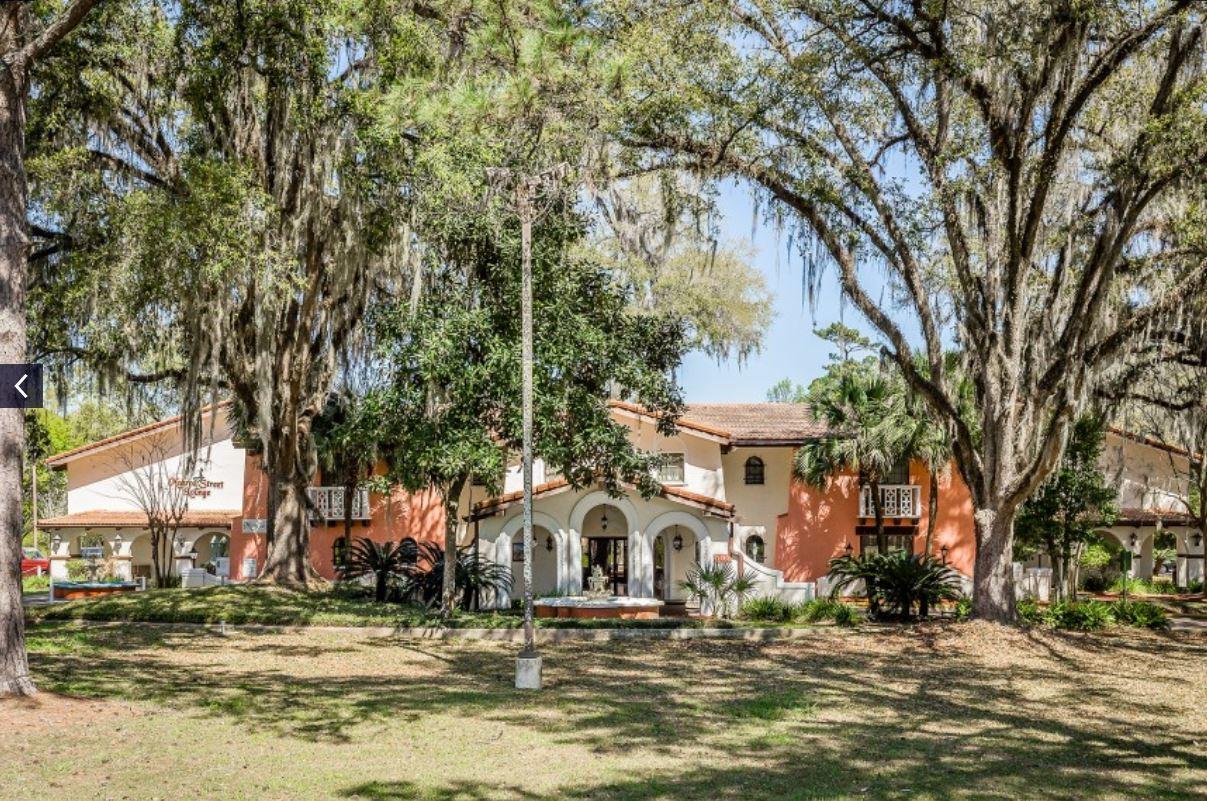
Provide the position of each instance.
(598, 498)
(644, 562)
(503, 541)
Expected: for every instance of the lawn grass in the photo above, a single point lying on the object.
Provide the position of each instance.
(954, 711)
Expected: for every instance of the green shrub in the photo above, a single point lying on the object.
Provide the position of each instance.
(1195, 586)
(820, 609)
(1140, 586)
(77, 570)
(963, 609)
(1141, 614)
(770, 610)
(845, 615)
(1029, 612)
(35, 583)
(1082, 616)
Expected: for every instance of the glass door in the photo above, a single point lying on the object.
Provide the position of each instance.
(610, 555)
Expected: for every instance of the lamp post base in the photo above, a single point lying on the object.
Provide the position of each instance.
(528, 672)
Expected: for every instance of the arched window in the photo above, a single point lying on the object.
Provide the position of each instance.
(339, 552)
(754, 470)
(755, 550)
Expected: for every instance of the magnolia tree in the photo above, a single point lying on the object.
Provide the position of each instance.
(1024, 180)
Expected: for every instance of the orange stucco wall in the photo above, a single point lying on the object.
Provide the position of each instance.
(393, 518)
(819, 524)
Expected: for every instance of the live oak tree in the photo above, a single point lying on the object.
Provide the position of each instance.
(1022, 178)
(237, 181)
(660, 231)
(26, 39)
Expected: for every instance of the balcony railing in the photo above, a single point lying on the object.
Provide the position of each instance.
(329, 503)
(896, 500)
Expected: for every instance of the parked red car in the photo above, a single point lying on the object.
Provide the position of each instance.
(33, 562)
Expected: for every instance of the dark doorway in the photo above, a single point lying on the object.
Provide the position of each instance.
(610, 555)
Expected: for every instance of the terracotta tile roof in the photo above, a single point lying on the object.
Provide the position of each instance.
(682, 422)
(490, 506)
(100, 518)
(744, 423)
(712, 504)
(1149, 517)
(758, 423)
(61, 459)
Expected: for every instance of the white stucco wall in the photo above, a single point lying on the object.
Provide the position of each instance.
(571, 514)
(98, 480)
(757, 506)
(1146, 477)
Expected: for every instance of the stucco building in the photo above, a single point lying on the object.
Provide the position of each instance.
(727, 494)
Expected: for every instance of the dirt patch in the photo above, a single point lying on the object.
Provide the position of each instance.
(21, 717)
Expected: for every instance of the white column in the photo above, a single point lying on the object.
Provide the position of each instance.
(58, 556)
(572, 564)
(643, 552)
(637, 562)
(122, 563)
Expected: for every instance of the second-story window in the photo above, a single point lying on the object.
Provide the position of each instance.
(671, 470)
(755, 470)
(899, 474)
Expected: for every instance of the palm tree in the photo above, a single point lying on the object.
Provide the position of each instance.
(868, 414)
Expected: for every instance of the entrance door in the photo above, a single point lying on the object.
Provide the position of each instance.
(610, 555)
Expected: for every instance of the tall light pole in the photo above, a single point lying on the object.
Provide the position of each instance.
(531, 195)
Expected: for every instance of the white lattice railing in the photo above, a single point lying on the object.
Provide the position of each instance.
(329, 503)
(896, 500)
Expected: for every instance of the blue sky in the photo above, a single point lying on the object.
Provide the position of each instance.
(790, 349)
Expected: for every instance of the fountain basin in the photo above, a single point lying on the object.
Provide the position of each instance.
(69, 590)
(610, 606)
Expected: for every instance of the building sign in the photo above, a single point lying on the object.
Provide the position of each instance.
(196, 487)
(255, 525)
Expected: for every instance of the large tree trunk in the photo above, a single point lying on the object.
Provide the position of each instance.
(993, 577)
(14, 241)
(288, 561)
(452, 508)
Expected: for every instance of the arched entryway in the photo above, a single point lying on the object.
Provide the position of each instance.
(603, 535)
(605, 544)
(547, 554)
(681, 540)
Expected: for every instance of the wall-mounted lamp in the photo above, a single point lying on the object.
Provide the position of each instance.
(944, 551)
(193, 555)
(117, 542)
(55, 542)
(549, 542)
(1131, 541)
(677, 542)
(603, 520)
(848, 549)
(1197, 538)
